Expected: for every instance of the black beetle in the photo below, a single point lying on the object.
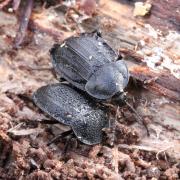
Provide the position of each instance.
(89, 64)
(75, 109)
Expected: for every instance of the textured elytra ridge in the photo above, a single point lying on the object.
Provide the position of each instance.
(72, 108)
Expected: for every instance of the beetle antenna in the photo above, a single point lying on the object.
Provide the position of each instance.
(138, 117)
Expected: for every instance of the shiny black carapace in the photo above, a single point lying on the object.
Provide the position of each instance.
(90, 64)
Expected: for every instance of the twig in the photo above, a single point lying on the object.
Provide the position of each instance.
(50, 31)
(16, 131)
(16, 4)
(132, 54)
(24, 23)
(4, 3)
(143, 148)
(36, 68)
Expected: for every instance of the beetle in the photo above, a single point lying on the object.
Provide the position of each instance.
(73, 108)
(90, 64)
(94, 71)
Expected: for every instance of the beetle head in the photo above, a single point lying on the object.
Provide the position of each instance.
(108, 80)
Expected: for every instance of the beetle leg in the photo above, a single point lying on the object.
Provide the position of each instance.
(67, 143)
(119, 57)
(97, 33)
(45, 121)
(121, 98)
(138, 117)
(61, 79)
(62, 135)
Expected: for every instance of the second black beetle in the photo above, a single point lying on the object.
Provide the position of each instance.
(73, 108)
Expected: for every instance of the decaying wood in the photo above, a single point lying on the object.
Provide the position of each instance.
(164, 84)
(165, 15)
